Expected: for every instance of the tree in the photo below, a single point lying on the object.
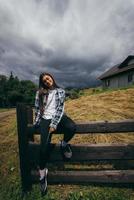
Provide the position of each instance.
(12, 90)
(3, 84)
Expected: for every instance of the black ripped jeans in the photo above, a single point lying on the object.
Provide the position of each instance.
(66, 126)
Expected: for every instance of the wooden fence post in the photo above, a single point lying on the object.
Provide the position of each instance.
(22, 121)
(30, 121)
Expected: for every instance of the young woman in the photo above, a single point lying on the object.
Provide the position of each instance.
(50, 117)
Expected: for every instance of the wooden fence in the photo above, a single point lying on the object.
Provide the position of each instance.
(82, 153)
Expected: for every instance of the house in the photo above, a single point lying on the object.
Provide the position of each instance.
(120, 75)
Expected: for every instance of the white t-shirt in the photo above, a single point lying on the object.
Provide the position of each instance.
(50, 105)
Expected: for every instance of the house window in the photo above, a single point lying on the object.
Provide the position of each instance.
(130, 77)
(107, 83)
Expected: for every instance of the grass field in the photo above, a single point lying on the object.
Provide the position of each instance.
(5, 109)
(91, 106)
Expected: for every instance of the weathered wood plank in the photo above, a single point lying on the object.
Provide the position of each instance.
(29, 111)
(106, 127)
(88, 152)
(29, 114)
(78, 177)
(98, 127)
(23, 147)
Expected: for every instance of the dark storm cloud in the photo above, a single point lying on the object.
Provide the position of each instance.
(74, 40)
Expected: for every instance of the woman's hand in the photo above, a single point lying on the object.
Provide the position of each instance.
(51, 129)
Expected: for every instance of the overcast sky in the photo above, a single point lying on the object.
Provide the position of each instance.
(74, 40)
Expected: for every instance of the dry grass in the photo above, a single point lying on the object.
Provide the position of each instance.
(116, 105)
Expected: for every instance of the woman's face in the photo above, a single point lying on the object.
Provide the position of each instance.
(47, 80)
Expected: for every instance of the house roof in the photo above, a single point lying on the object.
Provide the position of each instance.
(117, 69)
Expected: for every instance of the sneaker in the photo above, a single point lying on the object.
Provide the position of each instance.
(66, 151)
(43, 183)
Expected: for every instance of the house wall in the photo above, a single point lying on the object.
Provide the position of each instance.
(131, 62)
(120, 80)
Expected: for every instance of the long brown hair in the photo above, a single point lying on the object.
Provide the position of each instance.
(43, 89)
(42, 85)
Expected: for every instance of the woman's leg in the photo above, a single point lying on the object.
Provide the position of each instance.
(44, 154)
(68, 127)
(45, 142)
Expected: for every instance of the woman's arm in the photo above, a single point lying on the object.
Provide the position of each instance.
(59, 109)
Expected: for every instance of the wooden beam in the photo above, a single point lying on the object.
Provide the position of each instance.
(87, 152)
(79, 177)
(29, 114)
(29, 111)
(121, 126)
(23, 146)
(106, 127)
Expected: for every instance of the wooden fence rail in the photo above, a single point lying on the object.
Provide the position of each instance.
(101, 127)
(29, 153)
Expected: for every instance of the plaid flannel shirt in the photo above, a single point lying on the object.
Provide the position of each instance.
(59, 100)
